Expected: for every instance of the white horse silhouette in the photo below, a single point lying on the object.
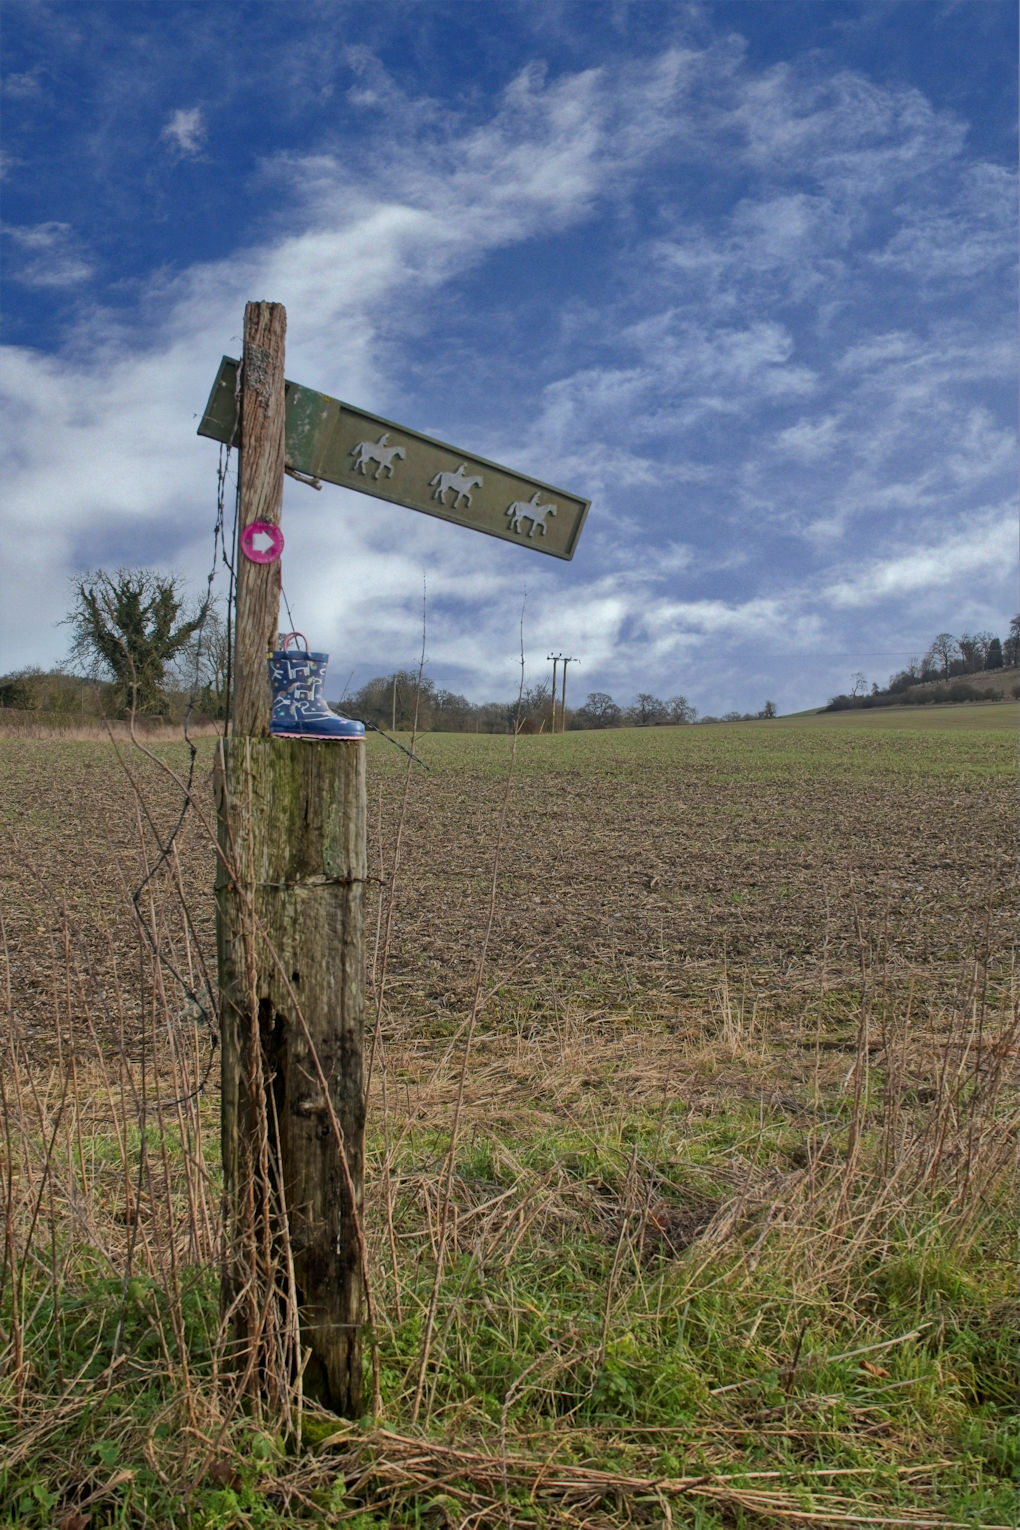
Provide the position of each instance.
(376, 451)
(530, 510)
(459, 482)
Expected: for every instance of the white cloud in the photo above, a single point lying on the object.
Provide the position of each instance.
(49, 255)
(978, 449)
(185, 130)
(22, 86)
(684, 372)
(810, 439)
(987, 546)
(857, 135)
(965, 236)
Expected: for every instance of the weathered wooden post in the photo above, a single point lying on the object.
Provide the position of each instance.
(290, 891)
(291, 882)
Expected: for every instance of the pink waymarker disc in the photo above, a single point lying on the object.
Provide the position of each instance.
(262, 532)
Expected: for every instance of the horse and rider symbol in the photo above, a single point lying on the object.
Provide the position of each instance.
(379, 452)
(530, 510)
(459, 484)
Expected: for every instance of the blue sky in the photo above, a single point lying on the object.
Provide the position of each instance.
(743, 274)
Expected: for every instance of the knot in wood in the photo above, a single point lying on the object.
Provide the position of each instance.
(309, 1107)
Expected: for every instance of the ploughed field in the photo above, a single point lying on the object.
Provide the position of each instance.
(775, 861)
(669, 858)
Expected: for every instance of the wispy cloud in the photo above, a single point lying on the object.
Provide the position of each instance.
(985, 548)
(185, 131)
(810, 439)
(23, 86)
(48, 255)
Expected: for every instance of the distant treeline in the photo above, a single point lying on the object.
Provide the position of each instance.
(66, 698)
(401, 701)
(56, 692)
(954, 669)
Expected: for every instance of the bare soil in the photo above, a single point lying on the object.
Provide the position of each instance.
(640, 877)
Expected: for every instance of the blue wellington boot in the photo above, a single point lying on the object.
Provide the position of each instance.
(299, 710)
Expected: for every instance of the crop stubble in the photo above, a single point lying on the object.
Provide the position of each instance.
(651, 864)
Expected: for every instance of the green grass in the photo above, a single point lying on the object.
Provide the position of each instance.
(614, 1299)
(933, 740)
(712, 1280)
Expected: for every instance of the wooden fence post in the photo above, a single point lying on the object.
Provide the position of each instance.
(290, 941)
(260, 474)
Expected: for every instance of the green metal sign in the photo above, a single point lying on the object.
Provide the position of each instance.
(331, 441)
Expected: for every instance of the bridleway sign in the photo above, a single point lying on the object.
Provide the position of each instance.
(331, 441)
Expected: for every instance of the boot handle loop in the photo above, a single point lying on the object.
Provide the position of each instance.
(295, 635)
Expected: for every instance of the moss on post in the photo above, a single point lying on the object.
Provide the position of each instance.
(290, 923)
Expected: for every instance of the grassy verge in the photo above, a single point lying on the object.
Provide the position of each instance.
(678, 1273)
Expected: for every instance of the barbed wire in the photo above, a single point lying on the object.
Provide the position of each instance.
(202, 1007)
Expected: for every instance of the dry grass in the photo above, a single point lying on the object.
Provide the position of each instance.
(651, 1242)
(19, 723)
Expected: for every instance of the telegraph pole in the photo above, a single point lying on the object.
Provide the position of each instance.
(555, 657)
(563, 698)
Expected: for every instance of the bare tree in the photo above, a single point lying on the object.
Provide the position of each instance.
(974, 649)
(452, 713)
(536, 704)
(599, 711)
(681, 711)
(202, 667)
(394, 701)
(942, 653)
(648, 711)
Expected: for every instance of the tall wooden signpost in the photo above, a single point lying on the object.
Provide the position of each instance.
(290, 883)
